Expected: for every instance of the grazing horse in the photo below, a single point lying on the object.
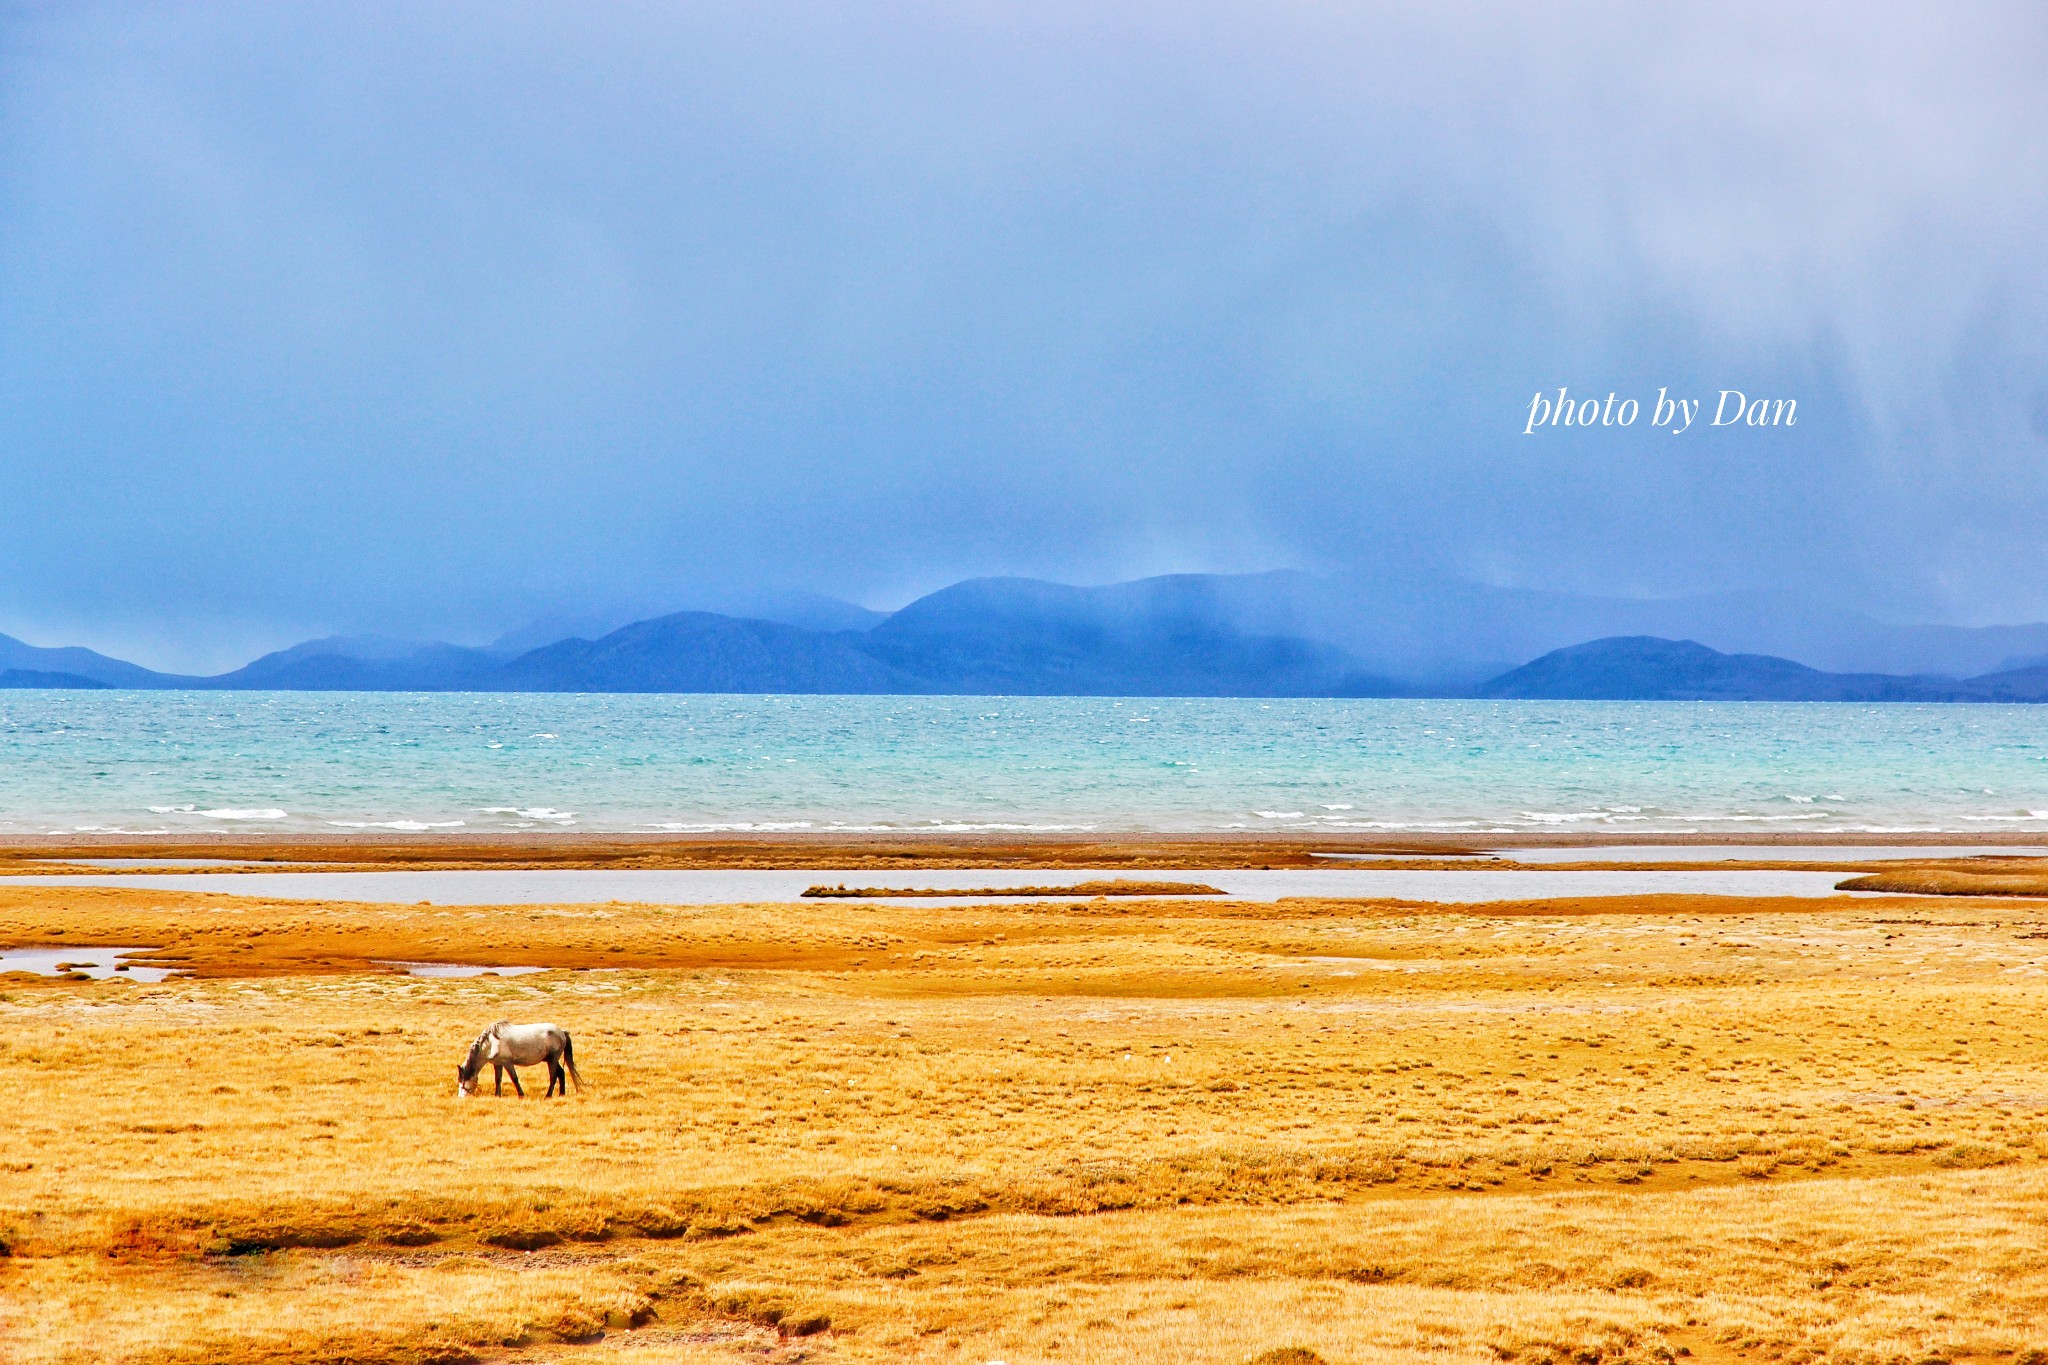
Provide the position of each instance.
(507, 1046)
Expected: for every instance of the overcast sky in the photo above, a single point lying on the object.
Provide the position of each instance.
(431, 318)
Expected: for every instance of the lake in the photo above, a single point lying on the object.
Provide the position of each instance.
(307, 762)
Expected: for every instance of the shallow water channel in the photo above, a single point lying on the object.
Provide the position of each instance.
(98, 963)
(557, 886)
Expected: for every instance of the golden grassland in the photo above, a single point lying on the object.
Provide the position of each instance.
(2006, 877)
(1632, 1129)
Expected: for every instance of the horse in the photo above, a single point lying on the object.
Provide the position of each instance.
(508, 1046)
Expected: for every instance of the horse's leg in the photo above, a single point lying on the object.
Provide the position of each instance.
(498, 1072)
(556, 1077)
(516, 1086)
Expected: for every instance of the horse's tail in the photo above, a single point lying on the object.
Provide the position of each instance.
(569, 1059)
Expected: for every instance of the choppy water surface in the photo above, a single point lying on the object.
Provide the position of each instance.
(176, 762)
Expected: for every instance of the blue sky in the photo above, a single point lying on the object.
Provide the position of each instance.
(432, 318)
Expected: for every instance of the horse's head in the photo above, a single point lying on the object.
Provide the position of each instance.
(467, 1071)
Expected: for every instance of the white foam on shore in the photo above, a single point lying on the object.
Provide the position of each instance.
(403, 826)
(225, 812)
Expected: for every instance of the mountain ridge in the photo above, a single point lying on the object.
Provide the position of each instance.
(1281, 633)
(24, 679)
(699, 651)
(1646, 668)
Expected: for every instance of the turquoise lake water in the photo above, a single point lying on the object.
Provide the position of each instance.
(175, 762)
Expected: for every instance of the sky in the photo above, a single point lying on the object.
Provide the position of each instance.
(428, 319)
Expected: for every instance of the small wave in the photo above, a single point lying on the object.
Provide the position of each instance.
(404, 826)
(1340, 805)
(980, 827)
(1613, 816)
(857, 827)
(1477, 826)
(224, 812)
(1420, 826)
(531, 812)
(729, 827)
(1279, 814)
(1745, 817)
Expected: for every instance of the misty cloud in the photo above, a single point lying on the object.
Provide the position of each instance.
(434, 318)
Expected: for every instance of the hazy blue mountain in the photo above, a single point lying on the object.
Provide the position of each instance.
(590, 625)
(695, 651)
(1642, 668)
(82, 663)
(2011, 684)
(1272, 634)
(1159, 636)
(1436, 631)
(806, 610)
(365, 647)
(1821, 637)
(35, 677)
(366, 663)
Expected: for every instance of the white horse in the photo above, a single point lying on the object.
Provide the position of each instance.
(507, 1046)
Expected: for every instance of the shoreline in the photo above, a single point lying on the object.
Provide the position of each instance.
(862, 851)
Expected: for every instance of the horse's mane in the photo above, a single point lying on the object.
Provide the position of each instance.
(473, 1063)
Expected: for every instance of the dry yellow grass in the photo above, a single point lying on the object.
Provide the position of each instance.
(31, 853)
(1115, 1132)
(2003, 877)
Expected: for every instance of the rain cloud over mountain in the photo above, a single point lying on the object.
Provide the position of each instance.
(434, 320)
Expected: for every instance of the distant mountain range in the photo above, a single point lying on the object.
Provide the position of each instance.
(36, 677)
(1643, 668)
(1260, 635)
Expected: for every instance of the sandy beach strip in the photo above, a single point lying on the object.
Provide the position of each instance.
(707, 886)
(1149, 852)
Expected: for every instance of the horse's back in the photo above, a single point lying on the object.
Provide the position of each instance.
(528, 1043)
